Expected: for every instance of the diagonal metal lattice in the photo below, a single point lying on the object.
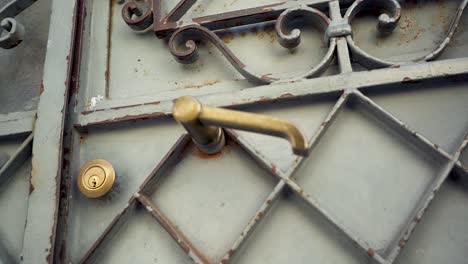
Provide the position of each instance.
(286, 182)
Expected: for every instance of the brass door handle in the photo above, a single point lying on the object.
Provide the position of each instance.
(205, 125)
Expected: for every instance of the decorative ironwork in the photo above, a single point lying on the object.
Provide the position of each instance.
(183, 34)
(391, 13)
(11, 31)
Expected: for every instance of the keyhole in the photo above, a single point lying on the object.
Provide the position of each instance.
(94, 181)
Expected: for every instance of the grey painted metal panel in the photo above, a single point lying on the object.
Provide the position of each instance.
(383, 141)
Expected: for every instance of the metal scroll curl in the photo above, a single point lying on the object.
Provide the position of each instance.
(183, 44)
(388, 20)
(135, 18)
(11, 31)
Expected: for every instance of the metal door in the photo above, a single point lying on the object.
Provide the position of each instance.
(379, 88)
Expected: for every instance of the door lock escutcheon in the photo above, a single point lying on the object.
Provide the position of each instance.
(205, 123)
(96, 178)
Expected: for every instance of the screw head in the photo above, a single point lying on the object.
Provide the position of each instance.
(96, 178)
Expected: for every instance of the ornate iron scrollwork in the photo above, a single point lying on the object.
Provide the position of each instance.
(11, 31)
(184, 34)
(388, 20)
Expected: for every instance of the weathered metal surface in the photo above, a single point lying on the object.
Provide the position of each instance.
(39, 236)
(14, 189)
(382, 142)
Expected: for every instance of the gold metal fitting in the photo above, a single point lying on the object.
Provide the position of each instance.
(96, 178)
(205, 124)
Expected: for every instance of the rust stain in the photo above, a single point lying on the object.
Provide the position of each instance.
(91, 111)
(107, 76)
(31, 187)
(31, 179)
(274, 169)
(197, 152)
(129, 118)
(83, 137)
(228, 37)
(41, 88)
(153, 103)
(407, 80)
(402, 243)
(49, 256)
(371, 252)
(264, 99)
(259, 215)
(270, 32)
(286, 95)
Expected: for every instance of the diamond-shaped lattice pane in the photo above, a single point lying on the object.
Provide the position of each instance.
(142, 240)
(293, 233)
(211, 198)
(438, 110)
(367, 176)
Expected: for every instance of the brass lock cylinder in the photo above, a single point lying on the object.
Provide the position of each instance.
(96, 178)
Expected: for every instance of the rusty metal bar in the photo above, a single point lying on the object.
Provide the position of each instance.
(172, 230)
(48, 136)
(254, 222)
(239, 17)
(153, 107)
(17, 159)
(424, 204)
(362, 244)
(179, 10)
(426, 145)
(111, 230)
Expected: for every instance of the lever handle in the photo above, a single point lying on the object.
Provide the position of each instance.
(205, 125)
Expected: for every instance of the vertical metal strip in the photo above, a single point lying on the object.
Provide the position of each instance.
(342, 51)
(39, 235)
